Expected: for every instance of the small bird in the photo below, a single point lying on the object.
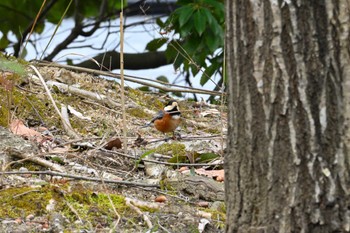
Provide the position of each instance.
(167, 120)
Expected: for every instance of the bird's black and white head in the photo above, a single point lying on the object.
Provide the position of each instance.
(172, 108)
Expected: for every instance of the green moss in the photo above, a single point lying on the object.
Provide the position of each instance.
(91, 206)
(25, 104)
(27, 164)
(138, 112)
(18, 202)
(218, 215)
(148, 101)
(212, 130)
(76, 202)
(174, 149)
(11, 65)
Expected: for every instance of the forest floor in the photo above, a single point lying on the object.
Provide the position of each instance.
(78, 176)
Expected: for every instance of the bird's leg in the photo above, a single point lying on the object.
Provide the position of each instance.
(166, 139)
(176, 136)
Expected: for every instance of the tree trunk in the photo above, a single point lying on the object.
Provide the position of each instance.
(287, 163)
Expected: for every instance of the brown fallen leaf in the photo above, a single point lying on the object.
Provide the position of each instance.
(18, 127)
(220, 178)
(117, 143)
(182, 169)
(202, 204)
(160, 198)
(211, 173)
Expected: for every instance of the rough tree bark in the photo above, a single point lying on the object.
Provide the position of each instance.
(288, 162)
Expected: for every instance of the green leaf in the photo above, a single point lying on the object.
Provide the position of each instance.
(144, 88)
(172, 54)
(206, 157)
(12, 66)
(4, 42)
(200, 20)
(162, 78)
(177, 94)
(211, 41)
(144, 155)
(218, 6)
(185, 14)
(186, 30)
(178, 159)
(160, 23)
(155, 44)
(208, 15)
(209, 71)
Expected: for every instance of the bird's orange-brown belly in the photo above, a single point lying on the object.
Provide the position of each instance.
(166, 125)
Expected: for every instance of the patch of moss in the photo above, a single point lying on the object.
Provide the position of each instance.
(144, 100)
(75, 203)
(138, 112)
(212, 130)
(25, 105)
(218, 215)
(27, 164)
(22, 201)
(92, 206)
(175, 149)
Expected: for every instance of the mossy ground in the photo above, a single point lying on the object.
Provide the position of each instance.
(74, 200)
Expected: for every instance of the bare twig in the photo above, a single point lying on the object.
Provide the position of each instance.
(160, 162)
(50, 97)
(68, 127)
(138, 211)
(122, 81)
(25, 193)
(51, 173)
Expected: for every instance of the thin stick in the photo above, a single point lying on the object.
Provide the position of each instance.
(122, 81)
(32, 29)
(53, 101)
(160, 162)
(139, 212)
(99, 180)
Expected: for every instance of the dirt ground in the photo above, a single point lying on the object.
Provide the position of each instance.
(97, 172)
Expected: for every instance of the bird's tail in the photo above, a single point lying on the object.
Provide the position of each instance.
(147, 125)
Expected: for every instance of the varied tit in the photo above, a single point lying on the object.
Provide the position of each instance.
(167, 120)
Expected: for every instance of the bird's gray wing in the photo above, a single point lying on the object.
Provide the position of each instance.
(159, 115)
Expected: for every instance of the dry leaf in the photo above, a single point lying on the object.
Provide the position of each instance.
(18, 127)
(220, 178)
(160, 198)
(203, 204)
(5, 81)
(182, 169)
(117, 143)
(60, 150)
(210, 173)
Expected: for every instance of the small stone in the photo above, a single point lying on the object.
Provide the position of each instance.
(30, 217)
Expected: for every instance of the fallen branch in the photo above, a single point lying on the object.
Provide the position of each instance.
(34, 159)
(102, 99)
(163, 86)
(51, 173)
(160, 162)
